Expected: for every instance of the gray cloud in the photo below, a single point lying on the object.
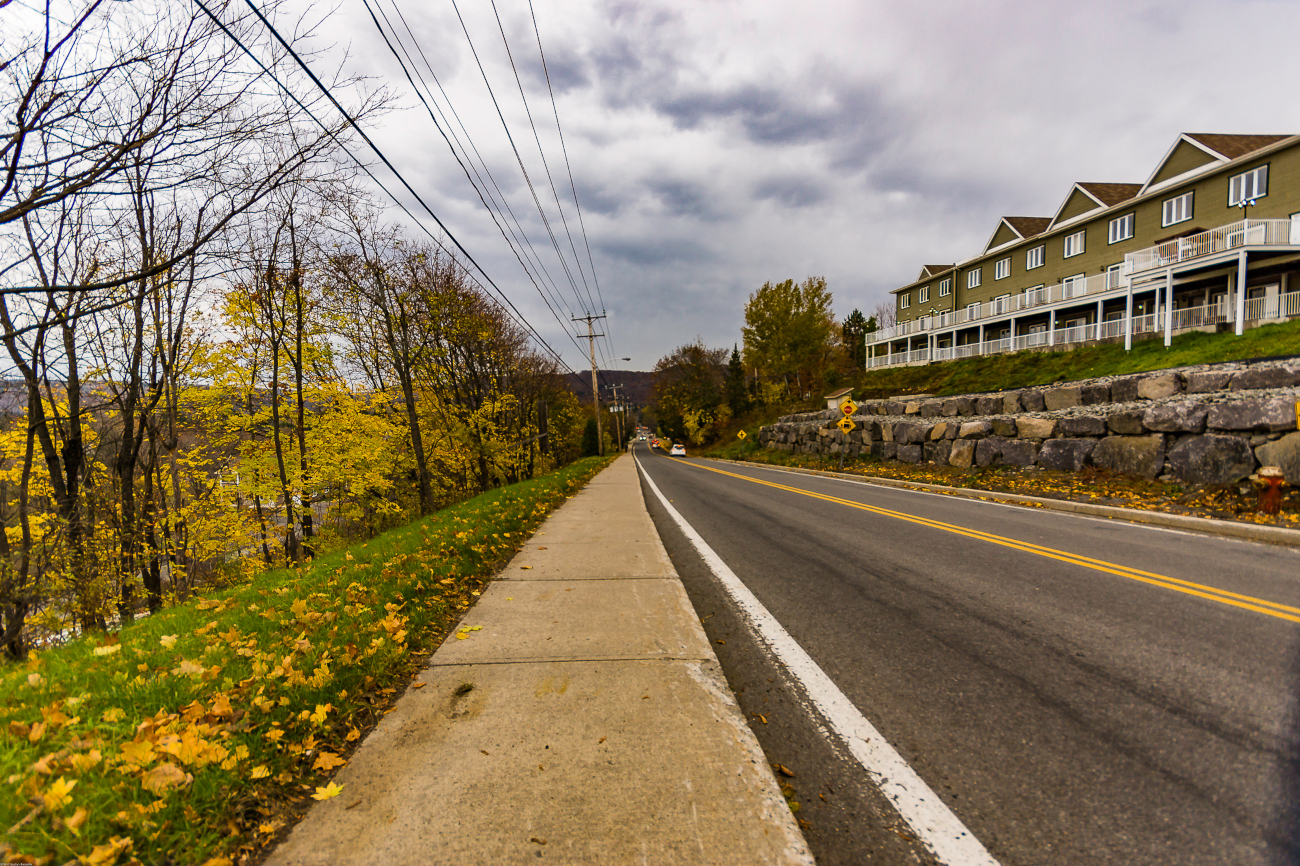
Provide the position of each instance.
(792, 191)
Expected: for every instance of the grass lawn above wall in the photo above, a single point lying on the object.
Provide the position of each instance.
(196, 735)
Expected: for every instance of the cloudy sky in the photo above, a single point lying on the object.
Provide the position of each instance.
(719, 144)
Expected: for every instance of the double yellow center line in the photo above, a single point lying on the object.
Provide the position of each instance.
(1200, 590)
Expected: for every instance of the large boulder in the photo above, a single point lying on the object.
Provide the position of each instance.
(937, 452)
(1083, 425)
(1062, 398)
(1010, 404)
(975, 430)
(993, 405)
(989, 451)
(931, 409)
(1124, 390)
(1065, 455)
(1207, 381)
(1131, 455)
(1126, 423)
(962, 454)
(1211, 459)
(1035, 428)
(1285, 454)
(1179, 417)
(1264, 377)
(1269, 415)
(1094, 393)
(940, 430)
(1019, 452)
(909, 453)
(1004, 427)
(1158, 387)
(910, 433)
(1032, 401)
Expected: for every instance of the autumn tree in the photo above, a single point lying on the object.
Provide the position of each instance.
(689, 391)
(852, 333)
(789, 331)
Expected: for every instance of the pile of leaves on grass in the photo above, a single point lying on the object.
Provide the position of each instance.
(1219, 502)
(199, 734)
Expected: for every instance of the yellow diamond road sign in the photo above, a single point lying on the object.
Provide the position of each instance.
(848, 407)
(846, 425)
(740, 435)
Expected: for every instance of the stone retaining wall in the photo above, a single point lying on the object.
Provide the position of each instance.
(1196, 425)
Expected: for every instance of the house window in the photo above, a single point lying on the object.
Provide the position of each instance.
(1073, 287)
(1114, 278)
(1001, 304)
(1121, 229)
(904, 300)
(924, 294)
(945, 287)
(1250, 185)
(974, 277)
(973, 311)
(1176, 210)
(1002, 269)
(1074, 244)
(1034, 258)
(1035, 295)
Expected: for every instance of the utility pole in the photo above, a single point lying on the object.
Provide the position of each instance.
(595, 390)
(618, 401)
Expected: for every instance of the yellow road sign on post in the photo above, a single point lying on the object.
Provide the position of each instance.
(848, 407)
(846, 426)
(740, 435)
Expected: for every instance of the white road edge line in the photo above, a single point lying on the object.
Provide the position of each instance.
(931, 820)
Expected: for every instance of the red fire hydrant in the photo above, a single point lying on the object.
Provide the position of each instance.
(1269, 480)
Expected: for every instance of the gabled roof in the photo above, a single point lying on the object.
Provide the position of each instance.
(1016, 228)
(928, 271)
(1196, 152)
(1233, 146)
(1111, 194)
(1086, 197)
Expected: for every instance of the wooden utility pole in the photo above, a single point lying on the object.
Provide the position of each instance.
(595, 390)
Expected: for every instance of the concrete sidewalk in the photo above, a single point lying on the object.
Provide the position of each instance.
(596, 726)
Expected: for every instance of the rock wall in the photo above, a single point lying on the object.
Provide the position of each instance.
(1196, 425)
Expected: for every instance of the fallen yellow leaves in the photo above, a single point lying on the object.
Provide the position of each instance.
(327, 792)
(59, 794)
(327, 761)
(108, 650)
(164, 778)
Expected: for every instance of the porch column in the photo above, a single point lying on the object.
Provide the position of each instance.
(1241, 292)
(1012, 346)
(1101, 314)
(981, 339)
(1169, 307)
(1128, 316)
(1051, 327)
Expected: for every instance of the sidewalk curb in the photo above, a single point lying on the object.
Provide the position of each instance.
(1229, 528)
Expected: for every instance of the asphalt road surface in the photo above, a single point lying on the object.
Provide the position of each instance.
(1074, 690)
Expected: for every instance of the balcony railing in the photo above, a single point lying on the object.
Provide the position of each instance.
(1219, 240)
(1283, 306)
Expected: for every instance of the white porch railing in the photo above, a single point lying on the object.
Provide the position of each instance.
(1218, 240)
(1282, 306)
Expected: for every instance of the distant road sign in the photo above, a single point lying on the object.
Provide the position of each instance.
(848, 407)
(740, 435)
(846, 425)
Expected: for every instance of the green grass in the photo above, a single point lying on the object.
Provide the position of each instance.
(1025, 369)
(199, 731)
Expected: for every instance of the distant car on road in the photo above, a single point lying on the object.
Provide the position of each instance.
(678, 450)
(654, 443)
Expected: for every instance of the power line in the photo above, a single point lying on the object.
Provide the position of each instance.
(516, 314)
(491, 211)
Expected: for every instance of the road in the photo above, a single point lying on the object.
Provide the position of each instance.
(1074, 690)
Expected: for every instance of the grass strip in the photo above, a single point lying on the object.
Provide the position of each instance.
(198, 734)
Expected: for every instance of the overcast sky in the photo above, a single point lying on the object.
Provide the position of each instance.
(718, 144)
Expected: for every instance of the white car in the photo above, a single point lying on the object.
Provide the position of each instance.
(678, 450)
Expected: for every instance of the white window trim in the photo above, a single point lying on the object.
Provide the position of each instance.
(1126, 222)
(1081, 237)
(1247, 185)
(923, 294)
(905, 300)
(974, 278)
(945, 287)
(1002, 268)
(1166, 211)
(1041, 249)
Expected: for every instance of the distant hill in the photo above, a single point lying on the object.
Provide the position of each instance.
(638, 388)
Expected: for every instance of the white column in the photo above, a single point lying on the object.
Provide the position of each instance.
(1128, 316)
(981, 342)
(1051, 327)
(1241, 292)
(1169, 307)
(1012, 346)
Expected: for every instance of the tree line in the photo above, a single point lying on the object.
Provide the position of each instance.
(219, 355)
(791, 346)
